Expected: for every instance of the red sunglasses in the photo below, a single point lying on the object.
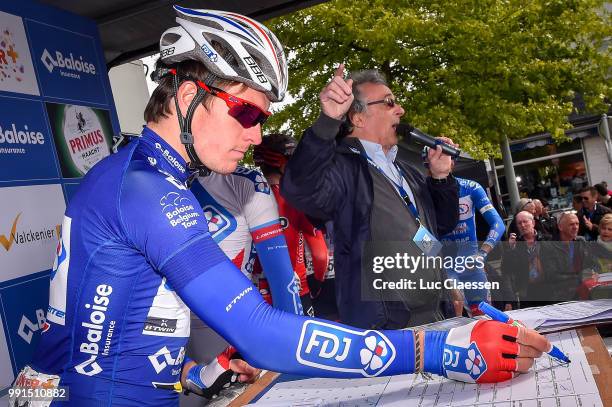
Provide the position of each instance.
(247, 113)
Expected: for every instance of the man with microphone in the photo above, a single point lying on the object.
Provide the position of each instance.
(372, 197)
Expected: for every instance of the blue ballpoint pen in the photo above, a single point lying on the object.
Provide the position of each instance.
(500, 316)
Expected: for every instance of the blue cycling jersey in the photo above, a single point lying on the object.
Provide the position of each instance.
(473, 197)
(135, 253)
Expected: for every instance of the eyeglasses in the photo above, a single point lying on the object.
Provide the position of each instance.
(245, 112)
(389, 101)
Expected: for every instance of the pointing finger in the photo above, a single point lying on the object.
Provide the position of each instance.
(343, 85)
(340, 71)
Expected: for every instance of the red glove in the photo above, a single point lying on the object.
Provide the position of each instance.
(482, 351)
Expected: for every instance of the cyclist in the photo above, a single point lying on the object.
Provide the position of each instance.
(472, 197)
(271, 156)
(136, 255)
(243, 220)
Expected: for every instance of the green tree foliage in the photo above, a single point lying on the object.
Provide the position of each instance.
(472, 70)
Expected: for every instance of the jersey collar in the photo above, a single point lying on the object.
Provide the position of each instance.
(166, 158)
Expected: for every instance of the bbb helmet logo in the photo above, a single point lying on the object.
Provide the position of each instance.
(166, 52)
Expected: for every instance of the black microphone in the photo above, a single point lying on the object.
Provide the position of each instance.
(411, 133)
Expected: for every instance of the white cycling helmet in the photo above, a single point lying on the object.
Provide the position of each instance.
(232, 47)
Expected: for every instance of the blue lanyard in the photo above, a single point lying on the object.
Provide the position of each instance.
(399, 187)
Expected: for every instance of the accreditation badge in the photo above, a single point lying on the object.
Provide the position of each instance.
(427, 242)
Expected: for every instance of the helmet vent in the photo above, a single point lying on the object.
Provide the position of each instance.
(211, 24)
(243, 37)
(169, 39)
(246, 27)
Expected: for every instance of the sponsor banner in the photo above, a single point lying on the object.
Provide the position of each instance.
(83, 136)
(28, 230)
(6, 369)
(16, 68)
(66, 63)
(25, 304)
(26, 149)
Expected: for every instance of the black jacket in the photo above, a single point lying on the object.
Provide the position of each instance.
(564, 273)
(331, 181)
(515, 266)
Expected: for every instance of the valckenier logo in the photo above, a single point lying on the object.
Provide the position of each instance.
(68, 65)
(22, 237)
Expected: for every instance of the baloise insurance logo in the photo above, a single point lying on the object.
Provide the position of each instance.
(14, 138)
(67, 64)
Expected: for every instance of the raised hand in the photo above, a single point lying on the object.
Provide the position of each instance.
(337, 96)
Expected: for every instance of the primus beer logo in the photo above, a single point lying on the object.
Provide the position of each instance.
(67, 65)
(84, 137)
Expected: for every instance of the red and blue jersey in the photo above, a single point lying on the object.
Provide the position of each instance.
(473, 197)
(243, 219)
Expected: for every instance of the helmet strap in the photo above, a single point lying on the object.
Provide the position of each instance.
(195, 164)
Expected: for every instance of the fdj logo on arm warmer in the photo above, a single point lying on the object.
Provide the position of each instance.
(339, 349)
